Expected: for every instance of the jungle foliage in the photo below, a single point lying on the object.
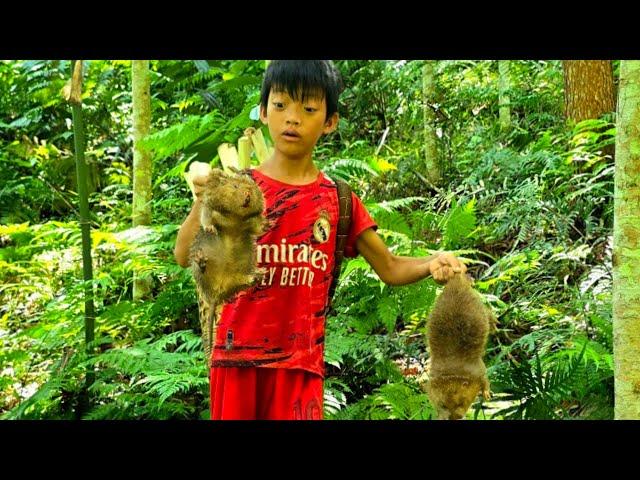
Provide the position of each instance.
(530, 209)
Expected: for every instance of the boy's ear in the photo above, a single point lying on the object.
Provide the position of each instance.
(331, 124)
(263, 114)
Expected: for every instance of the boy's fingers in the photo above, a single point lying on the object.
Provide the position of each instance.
(442, 274)
(435, 274)
(446, 266)
(456, 265)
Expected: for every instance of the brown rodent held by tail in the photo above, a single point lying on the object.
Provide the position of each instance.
(223, 252)
(457, 334)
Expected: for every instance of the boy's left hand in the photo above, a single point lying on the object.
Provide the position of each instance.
(444, 266)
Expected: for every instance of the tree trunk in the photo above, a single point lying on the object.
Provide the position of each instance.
(433, 171)
(141, 158)
(503, 99)
(73, 94)
(588, 89)
(626, 247)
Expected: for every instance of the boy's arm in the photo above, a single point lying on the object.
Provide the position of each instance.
(186, 234)
(189, 228)
(396, 270)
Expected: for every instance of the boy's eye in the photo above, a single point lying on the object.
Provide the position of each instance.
(310, 109)
(278, 104)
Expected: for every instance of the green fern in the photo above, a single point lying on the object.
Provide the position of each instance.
(196, 80)
(177, 137)
(548, 387)
(458, 224)
(40, 405)
(393, 401)
(401, 402)
(387, 309)
(339, 343)
(148, 380)
(166, 385)
(334, 396)
(389, 215)
(347, 169)
(393, 205)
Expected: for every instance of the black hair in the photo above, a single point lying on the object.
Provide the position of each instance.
(306, 77)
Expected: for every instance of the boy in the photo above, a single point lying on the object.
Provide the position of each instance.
(267, 360)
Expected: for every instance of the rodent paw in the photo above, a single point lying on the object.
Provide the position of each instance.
(211, 229)
(201, 260)
(259, 275)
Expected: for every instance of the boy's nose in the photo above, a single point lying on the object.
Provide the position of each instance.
(293, 116)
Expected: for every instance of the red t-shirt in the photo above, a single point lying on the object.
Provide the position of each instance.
(279, 323)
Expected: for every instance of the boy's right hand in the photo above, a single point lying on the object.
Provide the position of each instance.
(196, 177)
(444, 266)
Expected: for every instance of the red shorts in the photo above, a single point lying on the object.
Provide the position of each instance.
(248, 393)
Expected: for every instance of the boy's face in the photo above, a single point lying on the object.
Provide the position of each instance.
(295, 126)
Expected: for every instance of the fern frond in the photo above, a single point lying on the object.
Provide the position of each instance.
(546, 386)
(393, 205)
(458, 224)
(177, 137)
(166, 385)
(399, 401)
(387, 309)
(181, 337)
(348, 168)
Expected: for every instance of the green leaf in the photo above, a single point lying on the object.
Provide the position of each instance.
(459, 223)
(387, 309)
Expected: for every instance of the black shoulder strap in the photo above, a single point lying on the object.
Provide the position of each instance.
(344, 222)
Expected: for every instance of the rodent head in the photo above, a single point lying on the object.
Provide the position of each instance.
(231, 198)
(452, 395)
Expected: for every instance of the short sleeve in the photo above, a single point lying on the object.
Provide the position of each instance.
(360, 221)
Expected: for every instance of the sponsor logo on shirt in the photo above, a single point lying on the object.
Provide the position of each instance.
(322, 227)
(269, 254)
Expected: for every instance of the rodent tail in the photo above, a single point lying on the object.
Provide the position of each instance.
(459, 280)
(210, 335)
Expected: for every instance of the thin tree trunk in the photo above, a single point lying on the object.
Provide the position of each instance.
(73, 94)
(626, 246)
(432, 165)
(503, 99)
(588, 89)
(141, 158)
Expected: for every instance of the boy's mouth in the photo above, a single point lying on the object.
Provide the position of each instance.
(291, 134)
